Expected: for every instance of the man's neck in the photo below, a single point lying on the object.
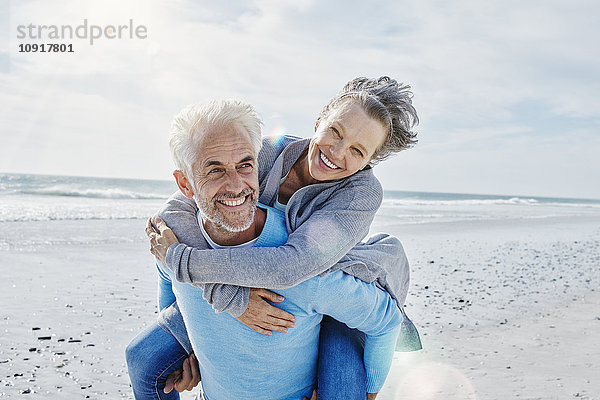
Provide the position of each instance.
(226, 238)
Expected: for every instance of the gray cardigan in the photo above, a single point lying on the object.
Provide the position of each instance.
(326, 223)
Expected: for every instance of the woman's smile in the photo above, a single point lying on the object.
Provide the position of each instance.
(328, 163)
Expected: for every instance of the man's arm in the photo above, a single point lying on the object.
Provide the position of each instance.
(369, 309)
(166, 297)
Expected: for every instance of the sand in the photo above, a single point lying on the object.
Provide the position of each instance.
(507, 309)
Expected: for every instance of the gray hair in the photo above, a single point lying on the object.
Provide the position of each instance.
(187, 128)
(385, 100)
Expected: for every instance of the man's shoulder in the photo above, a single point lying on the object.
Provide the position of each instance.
(180, 214)
(274, 232)
(177, 203)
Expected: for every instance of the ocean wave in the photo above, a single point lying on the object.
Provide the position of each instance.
(109, 193)
(40, 208)
(484, 202)
(42, 217)
(57, 213)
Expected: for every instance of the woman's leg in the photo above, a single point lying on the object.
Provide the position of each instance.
(151, 356)
(341, 369)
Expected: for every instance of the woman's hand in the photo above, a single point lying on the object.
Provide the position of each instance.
(160, 239)
(185, 378)
(313, 397)
(262, 317)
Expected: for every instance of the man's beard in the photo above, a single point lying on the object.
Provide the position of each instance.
(234, 221)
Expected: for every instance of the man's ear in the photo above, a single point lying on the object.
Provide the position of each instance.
(183, 183)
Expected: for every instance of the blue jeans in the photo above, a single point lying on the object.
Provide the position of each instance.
(151, 356)
(341, 370)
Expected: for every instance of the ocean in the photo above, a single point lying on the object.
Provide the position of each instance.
(25, 197)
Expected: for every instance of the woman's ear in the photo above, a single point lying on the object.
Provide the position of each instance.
(183, 183)
(317, 123)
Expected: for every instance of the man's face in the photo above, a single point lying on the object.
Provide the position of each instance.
(226, 178)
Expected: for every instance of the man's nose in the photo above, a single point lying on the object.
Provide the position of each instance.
(234, 182)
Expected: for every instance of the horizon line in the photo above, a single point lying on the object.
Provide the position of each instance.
(385, 190)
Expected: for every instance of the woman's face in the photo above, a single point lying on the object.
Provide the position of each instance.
(344, 143)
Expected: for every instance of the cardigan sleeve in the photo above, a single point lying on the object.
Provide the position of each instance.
(312, 248)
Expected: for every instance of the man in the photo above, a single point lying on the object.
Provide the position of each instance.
(236, 362)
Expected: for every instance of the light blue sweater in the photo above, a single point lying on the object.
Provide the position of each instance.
(236, 362)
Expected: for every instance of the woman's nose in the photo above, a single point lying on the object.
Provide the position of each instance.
(337, 151)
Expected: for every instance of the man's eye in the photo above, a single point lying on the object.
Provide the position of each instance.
(214, 171)
(245, 166)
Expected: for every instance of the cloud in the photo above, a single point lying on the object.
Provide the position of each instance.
(483, 74)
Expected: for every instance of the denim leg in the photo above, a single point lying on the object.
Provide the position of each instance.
(151, 356)
(341, 369)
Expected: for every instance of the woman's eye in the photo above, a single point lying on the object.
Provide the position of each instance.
(335, 132)
(357, 152)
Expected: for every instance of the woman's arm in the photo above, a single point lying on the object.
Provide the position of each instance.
(249, 306)
(314, 246)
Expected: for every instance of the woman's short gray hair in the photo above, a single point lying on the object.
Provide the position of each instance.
(387, 101)
(188, 125)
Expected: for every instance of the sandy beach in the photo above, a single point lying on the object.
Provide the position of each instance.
(506, 309)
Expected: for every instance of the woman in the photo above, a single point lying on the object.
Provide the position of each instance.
(330, 196)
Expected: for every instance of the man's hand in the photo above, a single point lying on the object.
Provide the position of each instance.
(371, 396)
(262, 317)
(185, 378)
(160, 239)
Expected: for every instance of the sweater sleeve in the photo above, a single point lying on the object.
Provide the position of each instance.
(226, 298)
(380, 259)
(179, 213)
(165, 288)
(312, 248)
(369, 309)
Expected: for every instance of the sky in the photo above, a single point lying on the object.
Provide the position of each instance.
(507, 92)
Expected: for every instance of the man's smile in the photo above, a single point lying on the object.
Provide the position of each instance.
(232, 203)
